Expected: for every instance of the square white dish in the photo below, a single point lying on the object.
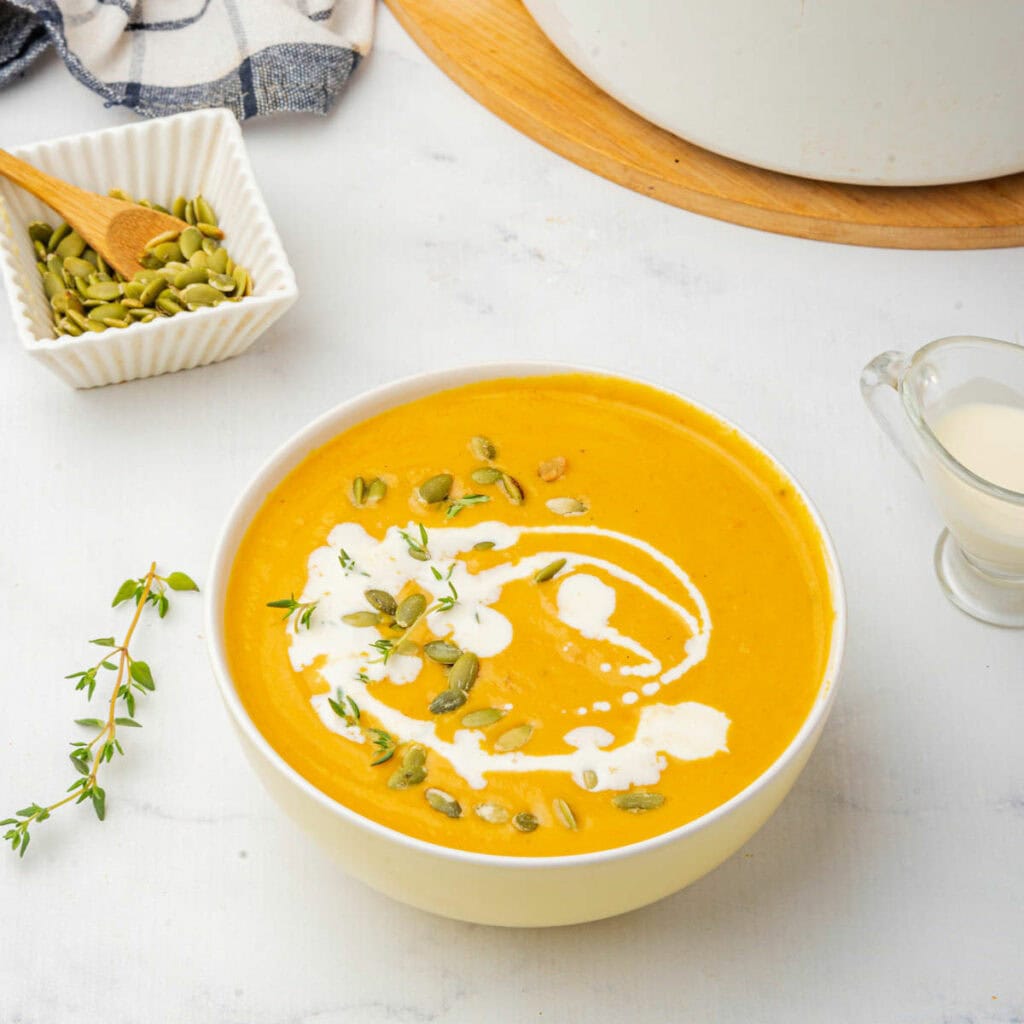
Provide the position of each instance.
(200, 151)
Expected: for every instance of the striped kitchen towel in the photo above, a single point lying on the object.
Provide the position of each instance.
(163, 56)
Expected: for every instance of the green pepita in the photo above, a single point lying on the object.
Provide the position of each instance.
(358, 491)
(190, 275)
(108, 311)
(381, 600)
(483, 545)
(447, 701)
(166, 236)
(59, 233)
(443, 802)
(361, 619)
(483, 448)
(105, 291)
(436, 488)
(190, 241)
(39, 231)
(514, 738)
(550, 571)
(638, 802)
(524, 821)
(511, 489)
(442, 652)
(482, 718)
(73, 244)
(410, 610)
(377, 490)
(201, 295)
(589, 778)
(486, 475)
(564, 815)
(204, 211)
(77, 267)
(462, 675)
(413, 769)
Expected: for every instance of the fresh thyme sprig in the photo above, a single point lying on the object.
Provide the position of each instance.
(305, 609)
(385, 744)
(464, 502)
(133, 678)
(345, 707)
(448, 602)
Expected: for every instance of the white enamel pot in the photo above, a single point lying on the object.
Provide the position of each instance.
(483, 888)
(874, 92)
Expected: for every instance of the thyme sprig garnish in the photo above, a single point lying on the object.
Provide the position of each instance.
(385, 745)
(132, 678)
(449, 600)
(345, 707)
(464, 502)
(304, 609)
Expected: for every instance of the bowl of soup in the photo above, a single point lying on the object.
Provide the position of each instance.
(526, 644)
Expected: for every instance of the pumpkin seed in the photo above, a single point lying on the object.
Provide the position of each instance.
(108, 311)
(52, 284)
(201, 295)
(410, 610)
(190, 241)
(436, 488)
(462, 675)
(358, 490)
(169, 304)
(563, 812)
(525, 822)
(638, 802)
(485, 475)
(444, 802)
(166, 236)
(39, 231)
(178, 207)
(551, 470)
(209, 230)
(78, 267)
(550, 571)
(442, 652)
(412, 771)
(377, 490)
(204, 211)
(165, 252)
(105, 291)
(483, 448)
(72, 244)
(483, 718)
(566, 506)
(492, 813)
(151, 290)
(447, 701)
(590, 778)
(199, 260)
(511, 489)
(514, 738)
(58, 236)
(483, 545)
(190, 275)
(361, 619)
(382, 601)
(414, 757)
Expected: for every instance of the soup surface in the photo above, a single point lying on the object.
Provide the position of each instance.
(614, 617)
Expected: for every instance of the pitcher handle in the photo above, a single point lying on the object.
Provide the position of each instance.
(880, 377)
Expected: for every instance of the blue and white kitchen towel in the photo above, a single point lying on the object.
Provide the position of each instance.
(162, 56)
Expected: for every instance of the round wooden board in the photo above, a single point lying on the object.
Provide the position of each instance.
(496, 52)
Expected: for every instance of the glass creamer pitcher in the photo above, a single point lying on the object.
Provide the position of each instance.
(959, 420)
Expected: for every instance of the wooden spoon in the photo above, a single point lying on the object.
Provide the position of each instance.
(116, 229)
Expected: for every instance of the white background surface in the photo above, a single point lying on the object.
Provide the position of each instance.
(425, 232)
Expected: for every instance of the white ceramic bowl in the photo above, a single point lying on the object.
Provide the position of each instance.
(875, 92)
(201, 151)
(501, 890)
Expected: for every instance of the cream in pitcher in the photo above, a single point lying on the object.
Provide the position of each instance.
(962, 428)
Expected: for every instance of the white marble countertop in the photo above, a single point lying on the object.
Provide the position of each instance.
(425, 232)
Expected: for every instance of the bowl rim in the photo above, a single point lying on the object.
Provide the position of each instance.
(398, 392)
(229, 137)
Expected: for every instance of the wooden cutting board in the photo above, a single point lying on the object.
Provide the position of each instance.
(496, 52)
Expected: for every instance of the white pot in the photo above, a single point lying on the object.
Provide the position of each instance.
(875, 92)
(489, 889)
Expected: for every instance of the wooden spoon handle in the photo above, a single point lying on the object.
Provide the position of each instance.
(64, 198)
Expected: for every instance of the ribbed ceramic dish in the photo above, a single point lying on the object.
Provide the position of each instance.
(201, 151)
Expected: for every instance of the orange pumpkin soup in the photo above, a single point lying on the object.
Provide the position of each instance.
(537, 616)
